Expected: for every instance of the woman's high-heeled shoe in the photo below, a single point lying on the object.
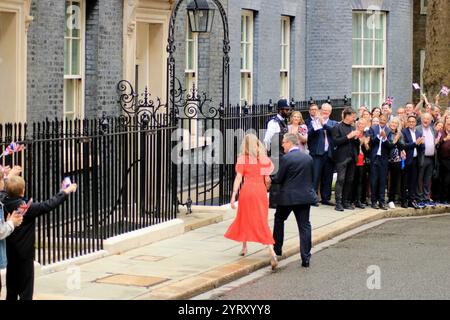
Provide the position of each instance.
(243, 252)
(274, 262)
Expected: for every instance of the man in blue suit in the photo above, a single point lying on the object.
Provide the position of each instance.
(297, 194)
(320, 145)
(414, 146)
(313, 113)
(380, 145)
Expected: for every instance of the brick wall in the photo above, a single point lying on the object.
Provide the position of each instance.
(109, 59)
(329, 47)
(267, 51)
(103, 58)
(45, 60)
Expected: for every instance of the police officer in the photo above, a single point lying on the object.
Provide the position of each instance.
(277, 127)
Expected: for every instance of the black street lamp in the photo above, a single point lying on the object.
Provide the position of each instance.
(201, 18)
(200, 15)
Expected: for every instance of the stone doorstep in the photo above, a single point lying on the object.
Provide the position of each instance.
(219, 276)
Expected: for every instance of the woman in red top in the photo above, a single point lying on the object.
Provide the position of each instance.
(360, 172)
(251, 222)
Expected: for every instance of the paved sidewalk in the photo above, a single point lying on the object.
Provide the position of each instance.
(192, 263)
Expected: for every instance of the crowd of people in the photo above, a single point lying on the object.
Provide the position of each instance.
(375, 153)
(402, 155)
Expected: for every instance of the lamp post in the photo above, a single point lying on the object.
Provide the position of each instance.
(201, 16)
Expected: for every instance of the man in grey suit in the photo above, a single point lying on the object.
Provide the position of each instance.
(295, 177)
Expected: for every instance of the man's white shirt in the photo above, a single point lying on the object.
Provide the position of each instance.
(273, 128)
(413, 135)
(317, 125)
(381, 141)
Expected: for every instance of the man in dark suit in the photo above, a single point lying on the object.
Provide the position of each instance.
(320, 144)
(313, 113)
(414, 146)
(345, 155)
(380, 144)
(297, 194)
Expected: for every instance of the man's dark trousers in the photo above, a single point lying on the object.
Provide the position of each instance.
(19, 279)
(323, 175)
(345, 174)
(378, 179)
(301, 213)
(412, 179)
(425, 176)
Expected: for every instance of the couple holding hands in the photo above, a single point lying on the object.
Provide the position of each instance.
(296, 193)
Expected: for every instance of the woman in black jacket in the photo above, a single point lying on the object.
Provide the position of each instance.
(396, 165)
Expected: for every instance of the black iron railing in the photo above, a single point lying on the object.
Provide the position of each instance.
(123, 173)
(133, 171)
(210, 140)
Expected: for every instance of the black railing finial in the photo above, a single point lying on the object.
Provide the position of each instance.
(270, 105)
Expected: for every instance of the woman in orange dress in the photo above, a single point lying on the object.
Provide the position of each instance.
(251, 222)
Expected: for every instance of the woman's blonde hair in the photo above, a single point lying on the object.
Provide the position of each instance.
(400, 126)
(297, 113)
(253, 147)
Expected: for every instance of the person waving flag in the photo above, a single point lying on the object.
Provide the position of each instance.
(12, 148)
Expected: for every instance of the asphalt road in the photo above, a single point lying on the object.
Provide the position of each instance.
(400, 259)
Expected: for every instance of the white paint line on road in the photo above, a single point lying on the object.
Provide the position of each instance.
(295, 258)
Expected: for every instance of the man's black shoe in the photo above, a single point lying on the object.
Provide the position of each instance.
(315, 204)
(328, 203)
(339, 207)
(360, 205)
(375, 206)
(404, 205)
(348, 206)
(305, 264)
(383, 206)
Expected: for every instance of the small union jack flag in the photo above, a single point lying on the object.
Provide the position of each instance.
(12, 148)
(390, 100)
(445, 91)
(416, 86)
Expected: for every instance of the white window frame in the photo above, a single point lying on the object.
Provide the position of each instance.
(285, 45)
(361, 67)
(423, 7)
(79, 80)
(247, 43)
